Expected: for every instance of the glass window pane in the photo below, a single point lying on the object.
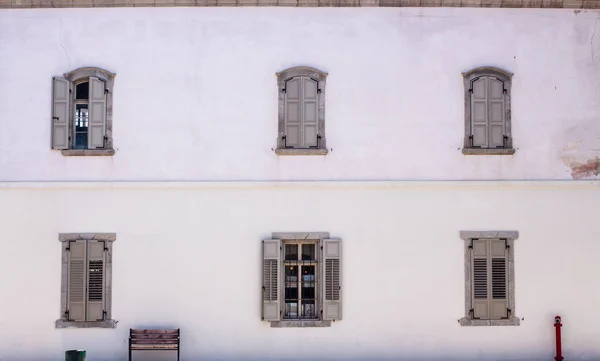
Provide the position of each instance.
(82, 91)
(81, 126)
(291, 252)
(308, 252)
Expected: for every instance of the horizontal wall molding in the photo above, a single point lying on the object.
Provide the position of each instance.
(274, 185)
(556, 4)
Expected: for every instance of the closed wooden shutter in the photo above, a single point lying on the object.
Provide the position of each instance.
(499, 289)
(60, 113)
(496, 121)
(479, 112)
(293, 114)
(332, 279)
(271, 284)
(97, 114)
(310, 114)
(480, 286)
(76, 281)
(96, 265)
(489, 279)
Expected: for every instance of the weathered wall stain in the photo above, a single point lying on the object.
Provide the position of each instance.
(589, 169)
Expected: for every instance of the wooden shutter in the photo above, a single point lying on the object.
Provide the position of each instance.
(479, 112)
(310, 114)
(271, 249)
(97, 113)
(496, 118)
(292, 112)
(96, 287)
(76, 281)
(490, 288)
(332, 279)
(60, 113)
(498, 278)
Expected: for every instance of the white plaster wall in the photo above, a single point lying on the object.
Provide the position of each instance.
(195, 95)
(188, 256)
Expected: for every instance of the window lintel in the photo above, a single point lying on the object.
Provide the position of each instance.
(86, 72)
(488, 70)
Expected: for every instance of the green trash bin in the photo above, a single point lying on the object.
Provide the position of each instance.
(75, 355)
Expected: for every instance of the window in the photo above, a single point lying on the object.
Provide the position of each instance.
(82, 112)
(86, 280)
(489, 278)
(487, 112)
(301, 280)
(301, 112)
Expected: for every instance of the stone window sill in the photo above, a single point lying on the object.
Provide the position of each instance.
(86, 324)
(88, 152)
(300, 323)
(513, 321)
(301, 151)
(490, 151)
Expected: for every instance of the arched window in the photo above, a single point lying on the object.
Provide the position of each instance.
(301, 112)
(82, 112)
(487, 112)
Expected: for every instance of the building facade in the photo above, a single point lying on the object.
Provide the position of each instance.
(322, 183)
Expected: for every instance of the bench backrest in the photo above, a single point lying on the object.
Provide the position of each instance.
(154, 337)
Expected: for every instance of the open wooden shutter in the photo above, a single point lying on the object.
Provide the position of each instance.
(497, 122)
(271, 249)
(332, 279)
(97, 114)
(76, 281)
(499, 289)
(480, 277)
(310, 114)
(479, 112)
(292, 112)
(96, 288)
(60, 113)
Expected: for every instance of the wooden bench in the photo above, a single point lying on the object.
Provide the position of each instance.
(149, 340)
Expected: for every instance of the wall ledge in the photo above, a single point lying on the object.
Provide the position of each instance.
(551, 4)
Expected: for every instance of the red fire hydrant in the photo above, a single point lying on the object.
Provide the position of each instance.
(557, 326)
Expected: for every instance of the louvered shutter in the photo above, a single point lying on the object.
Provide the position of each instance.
(271, 279)
(498, 255)
(96, 279)
(480, 284)
(496, 118)
(76, 281)
(60, 113)
(479, 112)
(293, 112)
(97, 113)
(332, 279)
(309, 112)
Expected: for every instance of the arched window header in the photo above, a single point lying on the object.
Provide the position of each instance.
(301, 71)
(86, 72)
(489, 71)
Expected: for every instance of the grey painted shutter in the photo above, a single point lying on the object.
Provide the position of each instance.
(309, 112)
(498, 253)
(479, 113)
(97, 113)
(293, 112)
(60, 113)
(271, 249)
(76, 281)
(497, 123)
(332, 279)
(96, 287)
(480, 285)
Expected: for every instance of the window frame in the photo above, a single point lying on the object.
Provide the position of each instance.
(282, 78)
(316, 263)
(65, 238)
(79, 76)
(467, 237)
(295, 237)
(504, 76)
